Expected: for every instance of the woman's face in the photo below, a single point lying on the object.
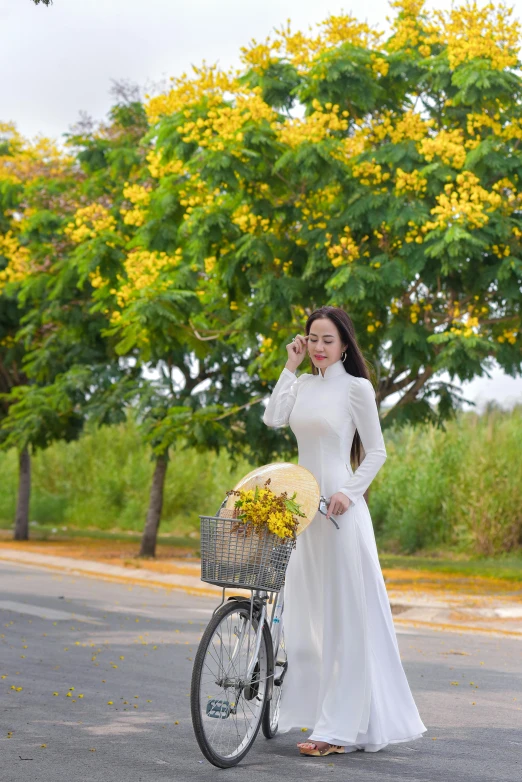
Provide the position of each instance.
(324, 344)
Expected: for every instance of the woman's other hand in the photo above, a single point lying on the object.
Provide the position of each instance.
(339, 504)
(296, 351)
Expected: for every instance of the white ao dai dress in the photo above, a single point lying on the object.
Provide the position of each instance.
(345, 678)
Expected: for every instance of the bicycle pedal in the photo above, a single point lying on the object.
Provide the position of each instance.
(218, 709)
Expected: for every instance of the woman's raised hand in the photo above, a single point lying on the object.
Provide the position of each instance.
(296, 351)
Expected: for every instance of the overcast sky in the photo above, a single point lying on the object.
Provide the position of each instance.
(59, 60)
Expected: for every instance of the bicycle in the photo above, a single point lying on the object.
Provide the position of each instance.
(241, 662)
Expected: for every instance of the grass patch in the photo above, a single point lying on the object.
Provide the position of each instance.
(508, 568)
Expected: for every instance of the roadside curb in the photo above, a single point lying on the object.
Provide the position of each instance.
(186, 583)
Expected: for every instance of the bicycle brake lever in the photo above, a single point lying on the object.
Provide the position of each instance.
(324, 501)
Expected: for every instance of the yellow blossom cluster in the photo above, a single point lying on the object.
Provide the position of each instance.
(465, 202)
(414, 309)
(345, 28)
(501, 250)
(249, 222)
(89, 222)
(140, 197)
(486, 33)
(511, 199)
(349, 147)
(143, 266)
(195, 195)
(501, 127)
(413, 234)
(346, 249)
(315, 127)
(266, 345)
(316, 205)
(158, 168)
(395, 306)
(372, 327)
(448, 145)
(414, 312)
(379, 66)
(260, 55)
(26, 161)
(466, 323)
(302, 50)
(225, 124)
(209, 264)
(368, 172)
(410, 182)
(410, 126)
(412, 28)
(142, 271)
(18, 259)
(508, 335)
(8, 342)
(467, 327)
(209, 83)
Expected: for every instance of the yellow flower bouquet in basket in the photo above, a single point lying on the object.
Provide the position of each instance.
(250, 544)
(266, 510)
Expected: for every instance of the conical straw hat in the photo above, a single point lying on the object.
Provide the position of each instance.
(284, 476)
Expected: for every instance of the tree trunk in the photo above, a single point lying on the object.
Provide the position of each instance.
(21, 530)
(150, 533)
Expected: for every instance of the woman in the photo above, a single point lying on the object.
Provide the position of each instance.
(345, 677)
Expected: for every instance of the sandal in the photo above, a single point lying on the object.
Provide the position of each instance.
(326, 750)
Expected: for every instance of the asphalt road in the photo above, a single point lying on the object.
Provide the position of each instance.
(124, 655)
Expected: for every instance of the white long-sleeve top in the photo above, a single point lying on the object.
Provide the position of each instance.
(324, 411)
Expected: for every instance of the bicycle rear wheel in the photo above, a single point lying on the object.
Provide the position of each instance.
(227, 704)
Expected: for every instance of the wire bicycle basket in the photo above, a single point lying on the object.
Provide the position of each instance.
(239, 554)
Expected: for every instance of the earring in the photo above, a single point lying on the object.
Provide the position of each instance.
(343, 355)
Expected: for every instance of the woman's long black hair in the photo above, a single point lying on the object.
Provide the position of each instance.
(354, 361)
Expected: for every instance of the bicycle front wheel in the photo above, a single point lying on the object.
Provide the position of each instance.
(230, 684)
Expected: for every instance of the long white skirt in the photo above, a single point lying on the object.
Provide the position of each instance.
(345, 678)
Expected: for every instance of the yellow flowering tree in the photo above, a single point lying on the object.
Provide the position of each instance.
(380, 173)
(54, 360)
(30, 177)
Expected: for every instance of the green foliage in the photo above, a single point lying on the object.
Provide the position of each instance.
(457, 489)
(102, 482)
